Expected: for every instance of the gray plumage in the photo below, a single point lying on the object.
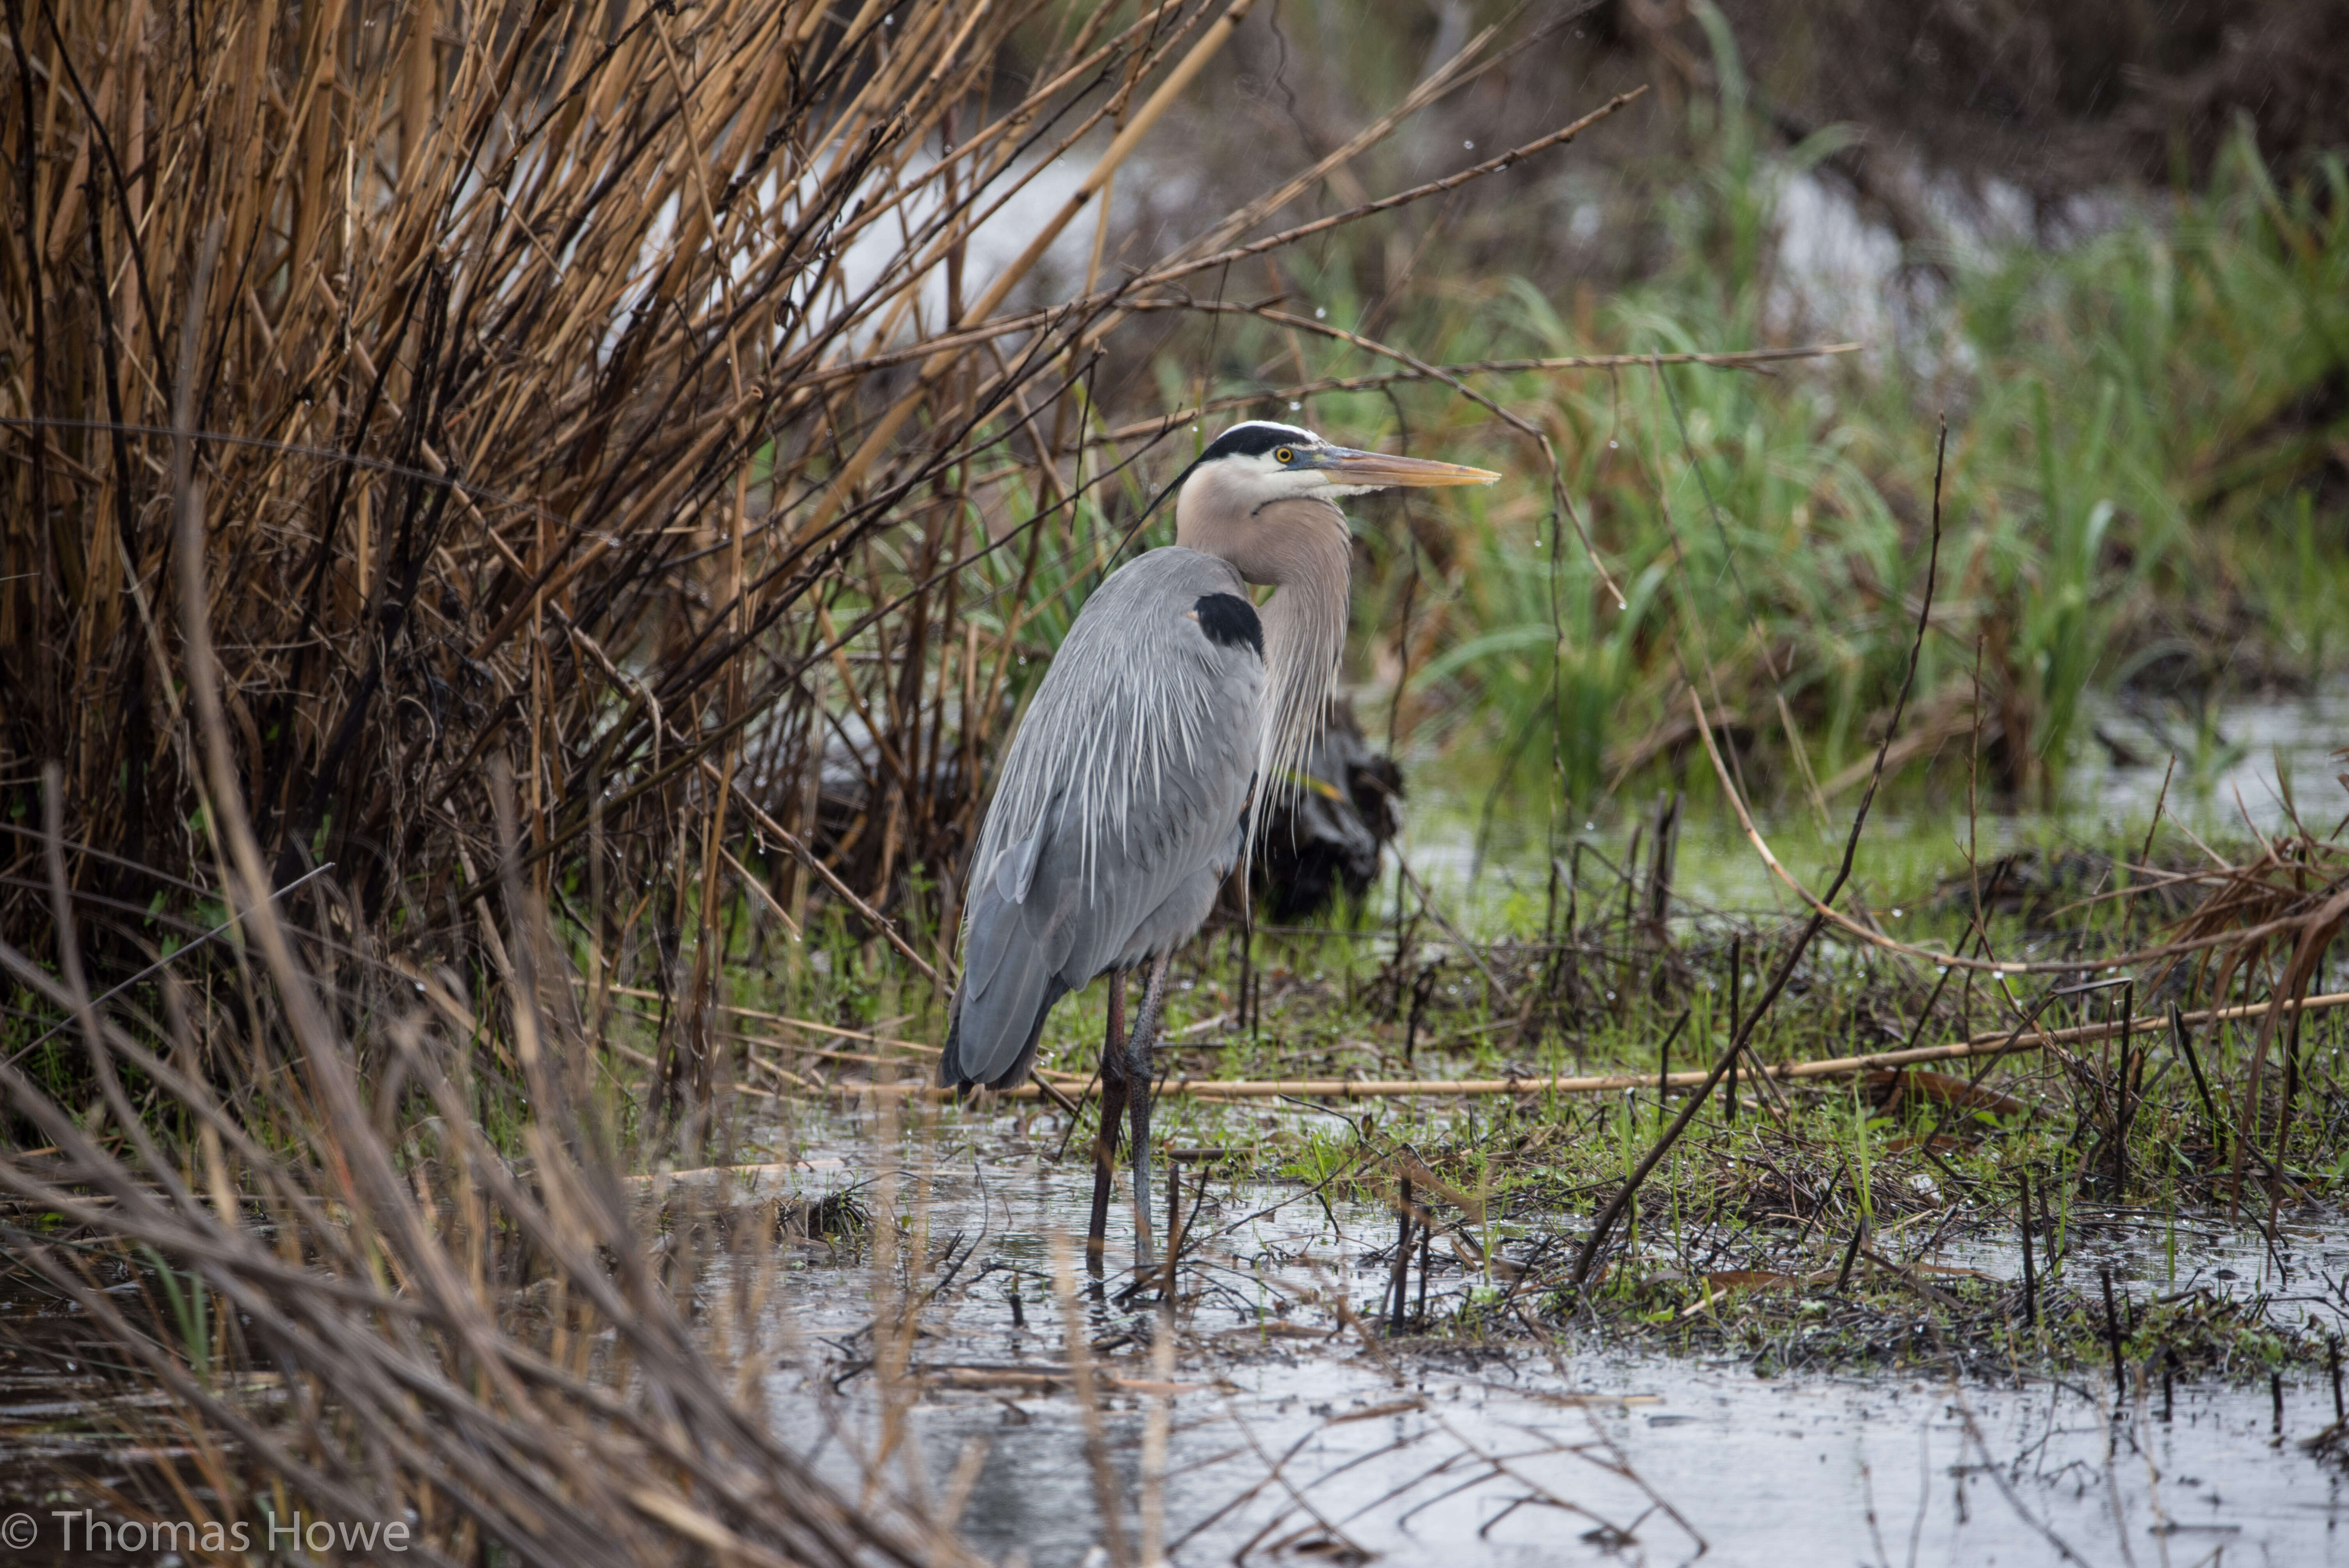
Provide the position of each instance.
(1081, 870)
(1123, 801)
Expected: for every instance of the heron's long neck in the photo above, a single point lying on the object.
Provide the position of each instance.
(1304, 636)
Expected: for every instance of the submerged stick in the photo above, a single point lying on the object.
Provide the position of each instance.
(2113, 1336)
(1427, 1247)
(2030, 1272)
(1174, 1233)
(1736, 979)
(2002, 1043)
(2121, 1098)
(1400, 1274)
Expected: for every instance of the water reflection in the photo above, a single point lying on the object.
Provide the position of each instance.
(1301, 1438)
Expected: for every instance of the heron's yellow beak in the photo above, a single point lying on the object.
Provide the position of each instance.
(1377, 471)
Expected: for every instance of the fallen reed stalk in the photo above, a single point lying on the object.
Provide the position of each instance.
(1997, 1043)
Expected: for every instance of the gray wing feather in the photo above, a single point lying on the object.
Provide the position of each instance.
(1016, 869)
(1116, 817)
(1012, 960)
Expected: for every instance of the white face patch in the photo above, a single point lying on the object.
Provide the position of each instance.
(1265, 478)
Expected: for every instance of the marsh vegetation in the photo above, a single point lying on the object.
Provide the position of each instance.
(526, 532)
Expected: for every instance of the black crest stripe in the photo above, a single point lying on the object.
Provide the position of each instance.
(1254, 439)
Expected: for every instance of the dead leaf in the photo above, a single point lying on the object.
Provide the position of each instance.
(1751, 1279)
(1891, 1090)
(1730, 1280)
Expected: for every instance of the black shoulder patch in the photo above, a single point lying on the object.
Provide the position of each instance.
(1229, 620)
(1253, 438)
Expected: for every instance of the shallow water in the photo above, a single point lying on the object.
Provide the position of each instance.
(2261, 759)
(1311, 1440)
(1298, 1438)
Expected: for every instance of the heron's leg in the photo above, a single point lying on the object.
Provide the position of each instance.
(1138, 1082)
(1112, 1110)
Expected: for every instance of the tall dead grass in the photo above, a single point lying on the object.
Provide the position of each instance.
(318, 1310)
(645, 397)
(492, 457)
(385, 1321)
(522, 361)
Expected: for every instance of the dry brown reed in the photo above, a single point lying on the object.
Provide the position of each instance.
(498, 459)
(410, 1324)
(665, 400)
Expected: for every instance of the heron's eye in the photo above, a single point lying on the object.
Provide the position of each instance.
(1284, 455)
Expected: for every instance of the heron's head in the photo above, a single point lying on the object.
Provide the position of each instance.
(1237, 501)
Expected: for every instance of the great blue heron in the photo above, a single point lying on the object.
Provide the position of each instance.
(1171, 708)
